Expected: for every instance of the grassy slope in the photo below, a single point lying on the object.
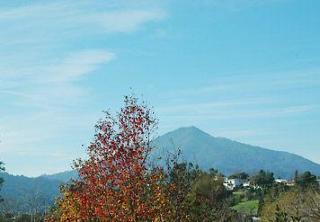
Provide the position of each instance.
(248, 207)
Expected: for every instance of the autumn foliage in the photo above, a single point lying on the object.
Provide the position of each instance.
(115, 183)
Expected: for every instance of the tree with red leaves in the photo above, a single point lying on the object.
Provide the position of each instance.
(115, 183)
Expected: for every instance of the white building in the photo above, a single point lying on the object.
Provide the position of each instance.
(281, 181)
(246, 184)
(230, 184)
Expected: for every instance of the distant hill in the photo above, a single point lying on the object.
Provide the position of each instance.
(229, 156)
(23, 194)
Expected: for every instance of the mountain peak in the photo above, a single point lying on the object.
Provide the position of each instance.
(187, 133)
(230, 156)
(190, 129)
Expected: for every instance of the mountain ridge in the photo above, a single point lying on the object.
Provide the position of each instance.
(230, 156)
(194, 128)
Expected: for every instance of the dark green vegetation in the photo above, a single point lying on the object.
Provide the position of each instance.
(262, 179)
(230, 156)
(200, 195)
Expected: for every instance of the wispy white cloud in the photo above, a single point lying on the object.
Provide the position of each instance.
(53, 83)
(78, 64)
(66, 20)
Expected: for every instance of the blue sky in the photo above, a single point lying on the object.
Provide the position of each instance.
(248, 70)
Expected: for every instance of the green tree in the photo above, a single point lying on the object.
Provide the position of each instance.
(307, 179)
(208, 199)
(263, 179)
(181, 177)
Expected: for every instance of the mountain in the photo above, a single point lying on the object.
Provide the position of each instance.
(229, 156)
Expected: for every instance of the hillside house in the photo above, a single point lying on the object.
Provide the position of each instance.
(231, 184)
(246, 184)
(281, 181)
